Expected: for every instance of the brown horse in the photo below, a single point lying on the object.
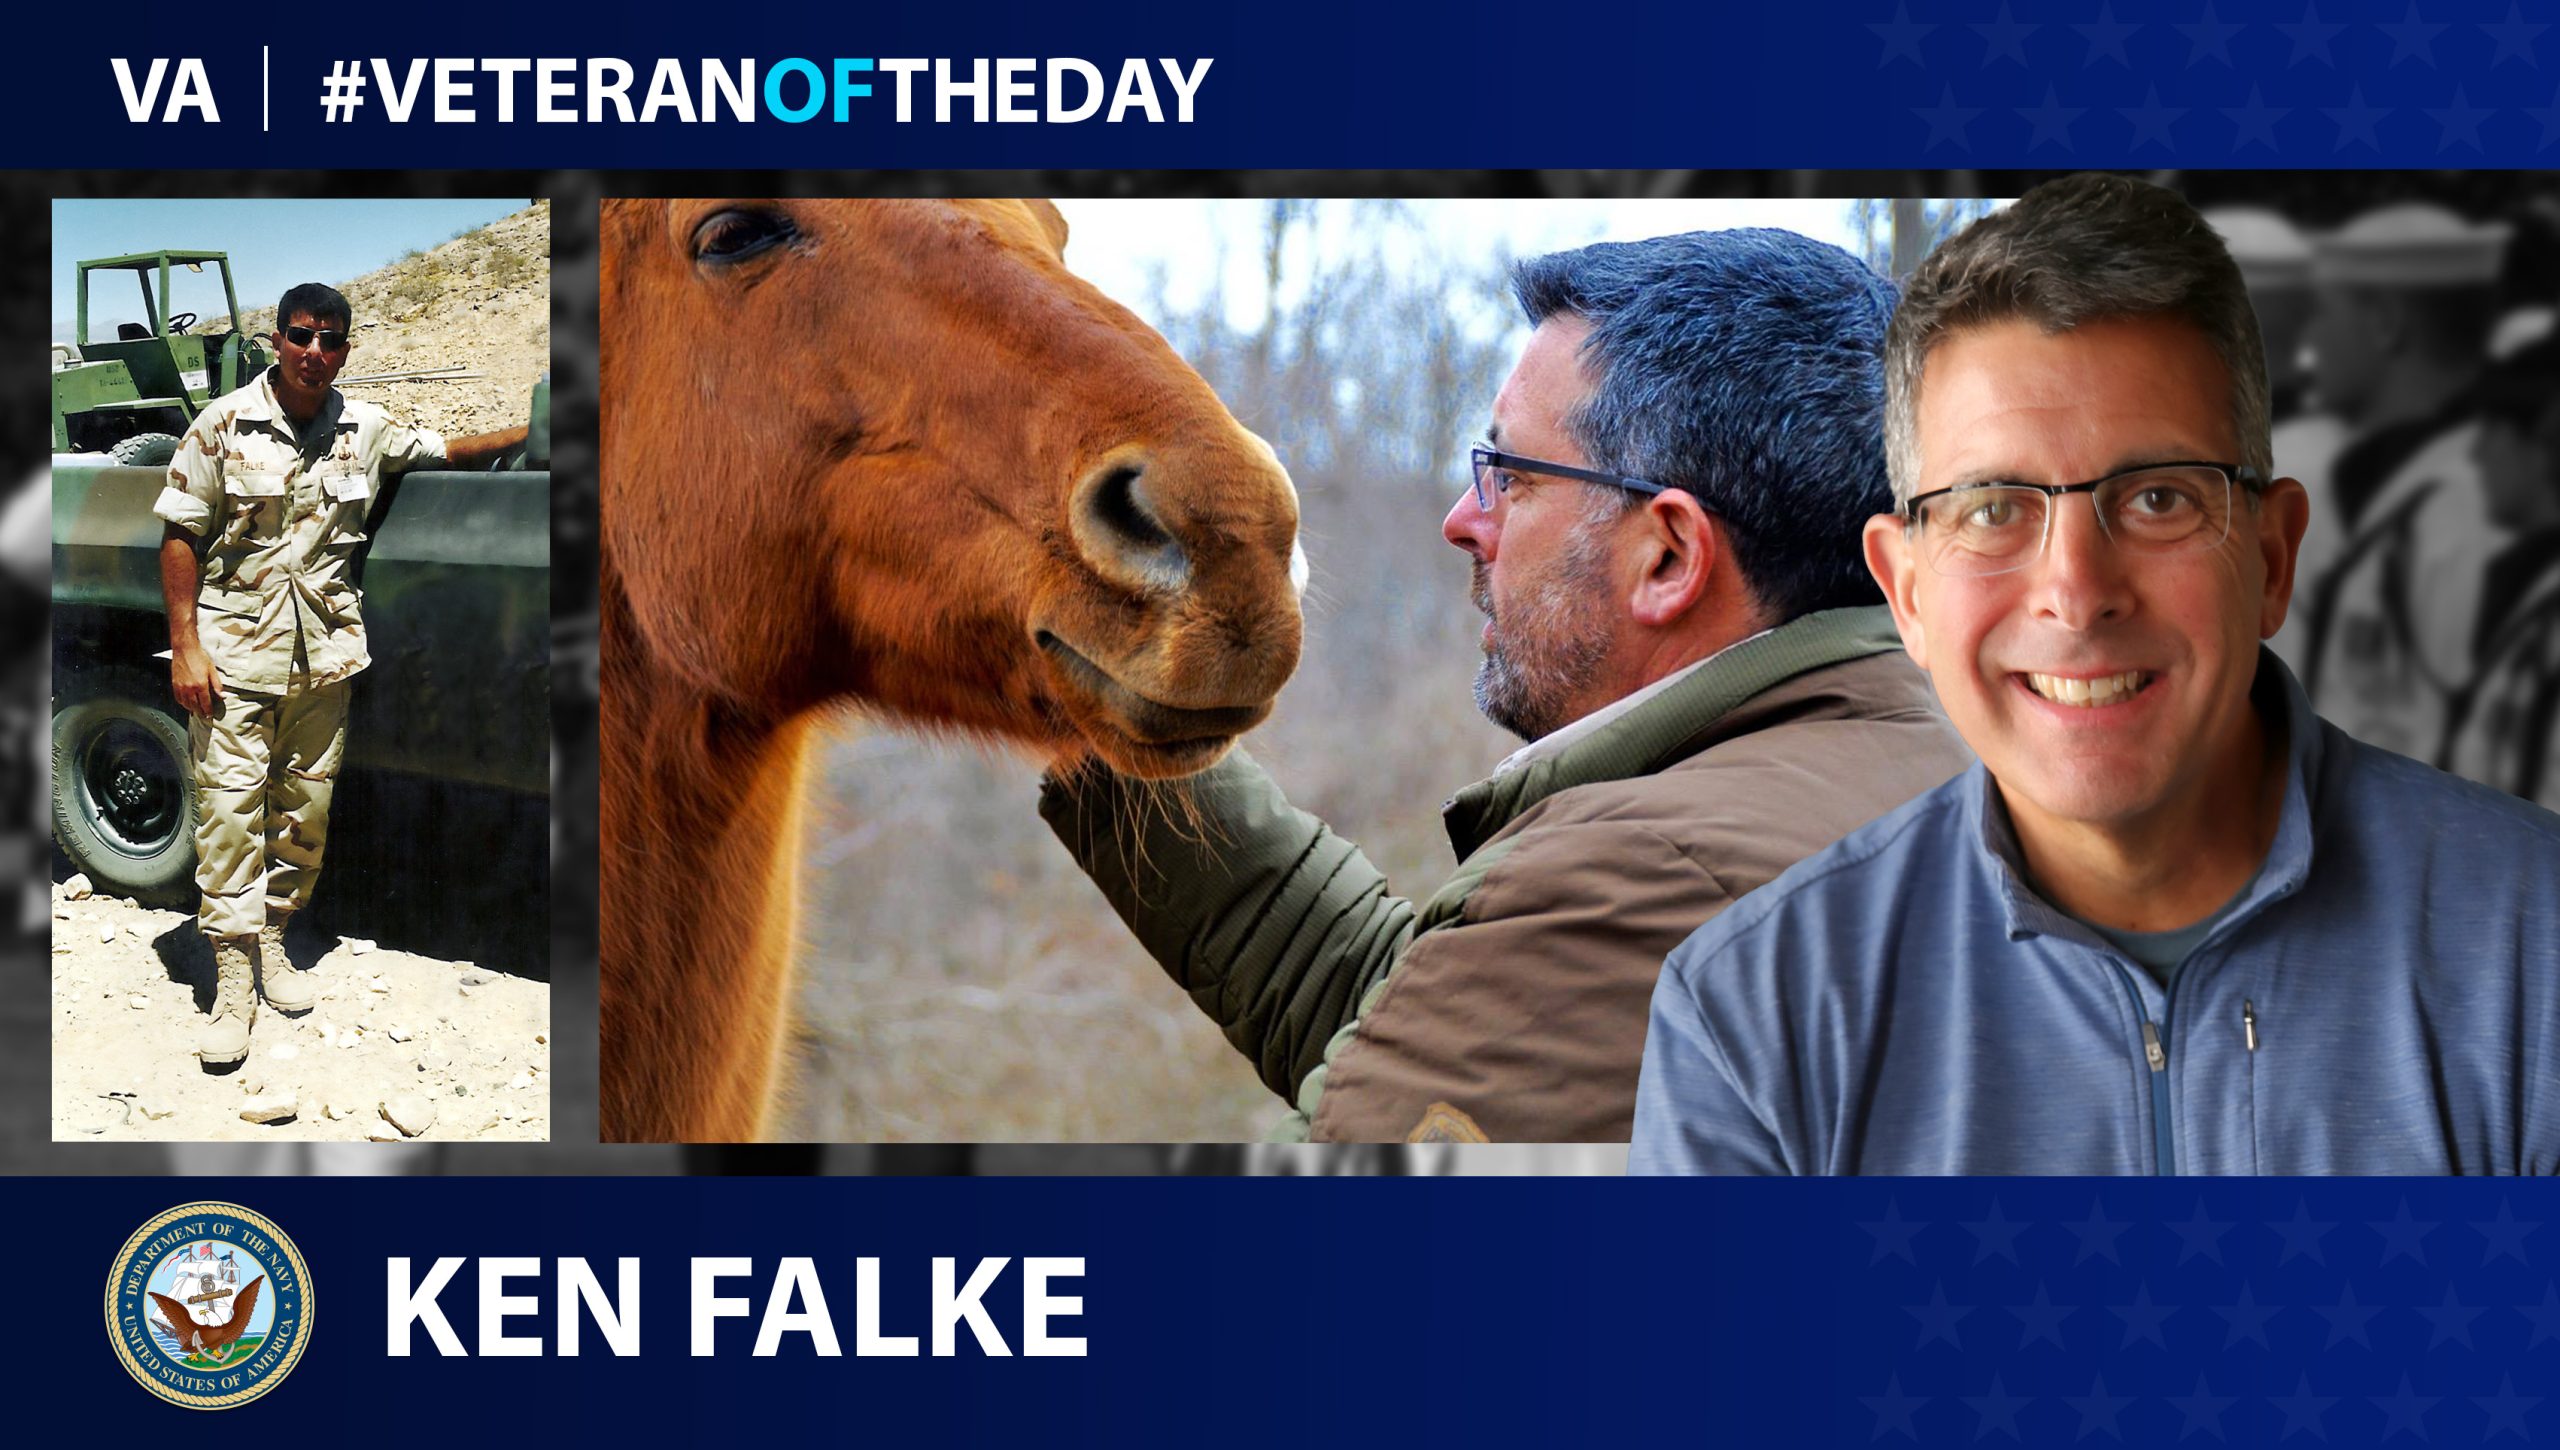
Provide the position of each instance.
(889, 454)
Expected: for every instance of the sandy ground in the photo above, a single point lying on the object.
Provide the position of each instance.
(465, 1045)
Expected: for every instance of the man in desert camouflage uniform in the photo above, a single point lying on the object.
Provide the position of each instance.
(267, 505)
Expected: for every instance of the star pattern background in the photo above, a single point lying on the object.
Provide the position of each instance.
(2127, 83)
(2259, 1312)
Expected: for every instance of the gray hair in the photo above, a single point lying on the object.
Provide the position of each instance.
(2082, 249)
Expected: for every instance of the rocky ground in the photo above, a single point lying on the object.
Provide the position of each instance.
(400, 1046)
(480, 302)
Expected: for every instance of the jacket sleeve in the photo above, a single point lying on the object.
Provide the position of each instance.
(404, 447)
(193, 491)
(1276, 926)
(1691, 1116)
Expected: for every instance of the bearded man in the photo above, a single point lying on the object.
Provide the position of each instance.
(1664, 526)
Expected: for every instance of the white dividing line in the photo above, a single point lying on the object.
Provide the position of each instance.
(262, 90)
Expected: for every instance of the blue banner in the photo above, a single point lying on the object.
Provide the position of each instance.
(1291, 1311)
(2052, 84)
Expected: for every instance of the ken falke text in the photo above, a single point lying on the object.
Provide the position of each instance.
(783, 1298)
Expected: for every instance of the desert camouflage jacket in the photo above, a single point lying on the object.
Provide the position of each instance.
(278, 513)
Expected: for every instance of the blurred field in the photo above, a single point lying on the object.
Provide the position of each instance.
(962, 980)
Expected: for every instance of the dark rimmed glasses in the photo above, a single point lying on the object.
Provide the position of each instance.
(1979, 529)
(1494, 468)
(330, 339)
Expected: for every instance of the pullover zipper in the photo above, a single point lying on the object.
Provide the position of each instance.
(2156, 1057)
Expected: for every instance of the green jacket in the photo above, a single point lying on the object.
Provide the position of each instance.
(1511, 1003)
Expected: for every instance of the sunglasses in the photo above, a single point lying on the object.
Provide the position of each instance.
(330, 339)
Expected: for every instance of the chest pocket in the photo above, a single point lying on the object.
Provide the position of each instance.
(254, 505)
(345, 483)
(252, 487)
(346, 491)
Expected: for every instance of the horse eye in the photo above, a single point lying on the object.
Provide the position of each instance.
(734, 235)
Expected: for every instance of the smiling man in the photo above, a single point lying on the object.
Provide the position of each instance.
(2173, 922)
(266, 507)
(1662, 533)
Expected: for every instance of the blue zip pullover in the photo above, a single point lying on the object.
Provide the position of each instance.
(2383, 999)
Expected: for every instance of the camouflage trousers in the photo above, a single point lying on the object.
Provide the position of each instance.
(265, 767)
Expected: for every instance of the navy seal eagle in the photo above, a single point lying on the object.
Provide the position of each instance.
(212, 1340)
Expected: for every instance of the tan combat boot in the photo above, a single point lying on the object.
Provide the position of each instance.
(225, 1039)
(286, 989)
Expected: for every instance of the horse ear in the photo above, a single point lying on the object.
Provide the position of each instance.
(1052, 221)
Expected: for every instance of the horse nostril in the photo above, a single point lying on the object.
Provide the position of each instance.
(1123, 530)
(1117, 506)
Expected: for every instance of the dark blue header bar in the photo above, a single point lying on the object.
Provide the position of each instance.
(1867, 84)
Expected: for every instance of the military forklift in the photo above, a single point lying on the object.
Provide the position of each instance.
(130, 397)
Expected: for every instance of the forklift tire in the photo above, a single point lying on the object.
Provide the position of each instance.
(124, 797)
(144, 450)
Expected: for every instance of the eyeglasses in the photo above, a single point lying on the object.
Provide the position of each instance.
(1492, 462)
(331, 340)
(1979, 529)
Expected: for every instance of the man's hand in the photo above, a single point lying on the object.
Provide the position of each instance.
(193, 677)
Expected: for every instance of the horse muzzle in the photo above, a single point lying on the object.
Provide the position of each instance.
(1136, 733)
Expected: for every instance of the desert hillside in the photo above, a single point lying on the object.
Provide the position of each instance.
(481, 302)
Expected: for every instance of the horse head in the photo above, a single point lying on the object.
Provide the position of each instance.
(894, 451)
